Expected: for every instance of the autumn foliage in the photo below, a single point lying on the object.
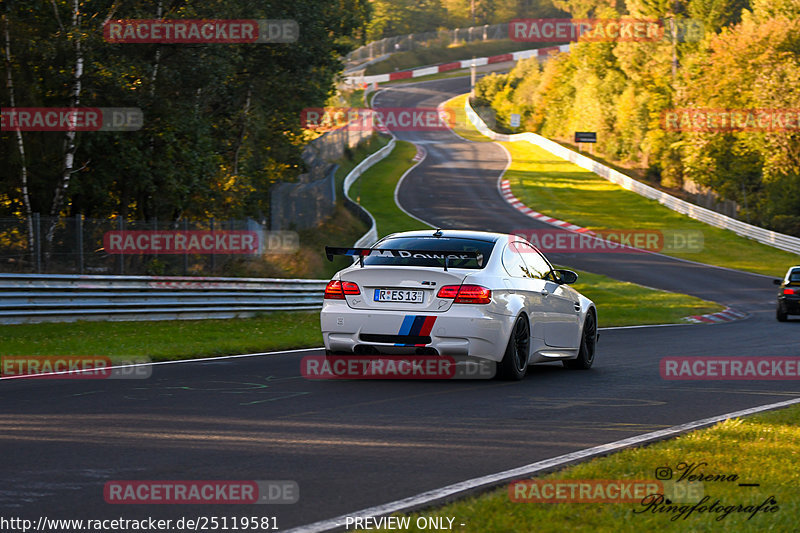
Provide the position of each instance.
(748, 59)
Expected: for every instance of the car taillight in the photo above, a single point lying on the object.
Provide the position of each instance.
(789, 291)
(466, 294)
(335, 290)
(473, 294)
(448, 291)
(350, 288)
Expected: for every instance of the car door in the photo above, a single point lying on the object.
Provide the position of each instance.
(519, 281)
(559, 304)
(527, 288)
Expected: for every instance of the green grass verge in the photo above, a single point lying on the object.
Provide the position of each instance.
(462, 126)
(766, 452)
(563, 190)
(165, 340)
(348, 163)
(618, 303)
(375, 191)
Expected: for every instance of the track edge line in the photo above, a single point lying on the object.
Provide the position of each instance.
(463, 488)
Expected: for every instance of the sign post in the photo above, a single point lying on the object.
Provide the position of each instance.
(586, 137)
(472, 71)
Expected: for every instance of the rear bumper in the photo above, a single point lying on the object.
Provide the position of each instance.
(462, 330)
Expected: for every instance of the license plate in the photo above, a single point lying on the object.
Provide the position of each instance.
(398, 295)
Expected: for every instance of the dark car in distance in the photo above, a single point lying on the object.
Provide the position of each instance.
(789, 294)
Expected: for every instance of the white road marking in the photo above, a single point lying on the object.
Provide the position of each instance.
(431, 497)
(178, 361)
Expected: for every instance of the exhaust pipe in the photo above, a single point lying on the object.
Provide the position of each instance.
(364, 349)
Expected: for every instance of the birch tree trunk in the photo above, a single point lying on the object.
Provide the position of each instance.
(69, 137)
(26, 199)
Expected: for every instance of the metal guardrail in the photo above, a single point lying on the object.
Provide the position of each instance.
(360, 79)
(31, 298)
(372, 233)
(771, 238)
(402, 43)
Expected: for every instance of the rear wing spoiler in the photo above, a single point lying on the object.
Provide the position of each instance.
(443, 255)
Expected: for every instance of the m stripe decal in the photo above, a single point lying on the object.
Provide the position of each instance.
(427, 326)
(419, 320)
(416, 326)
(405, 328)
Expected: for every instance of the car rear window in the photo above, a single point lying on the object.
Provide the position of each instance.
(794, 275)
(439, 244)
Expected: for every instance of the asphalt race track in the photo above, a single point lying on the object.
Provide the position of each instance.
(456, 187)
(355, 444)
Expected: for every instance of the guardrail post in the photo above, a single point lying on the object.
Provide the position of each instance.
(79, 241)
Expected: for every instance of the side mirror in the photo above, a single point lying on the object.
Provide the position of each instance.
(777, 281)
(567, 277)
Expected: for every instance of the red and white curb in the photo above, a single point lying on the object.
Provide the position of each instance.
(726, 315)
(456, 65)
(505, 191)
(420, 155)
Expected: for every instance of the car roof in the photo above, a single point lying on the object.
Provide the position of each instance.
(452, 233)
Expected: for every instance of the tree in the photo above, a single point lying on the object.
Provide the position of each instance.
(221, 121)
(717, 14)
(402, 17)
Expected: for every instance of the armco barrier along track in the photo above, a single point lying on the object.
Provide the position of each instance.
(456, 65)
(26, 298)
(764, 236)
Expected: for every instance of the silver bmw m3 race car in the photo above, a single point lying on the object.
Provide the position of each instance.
(459, 294)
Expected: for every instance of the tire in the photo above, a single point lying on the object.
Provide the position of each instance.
(515, 360)
(588, 345)
(780, 314)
